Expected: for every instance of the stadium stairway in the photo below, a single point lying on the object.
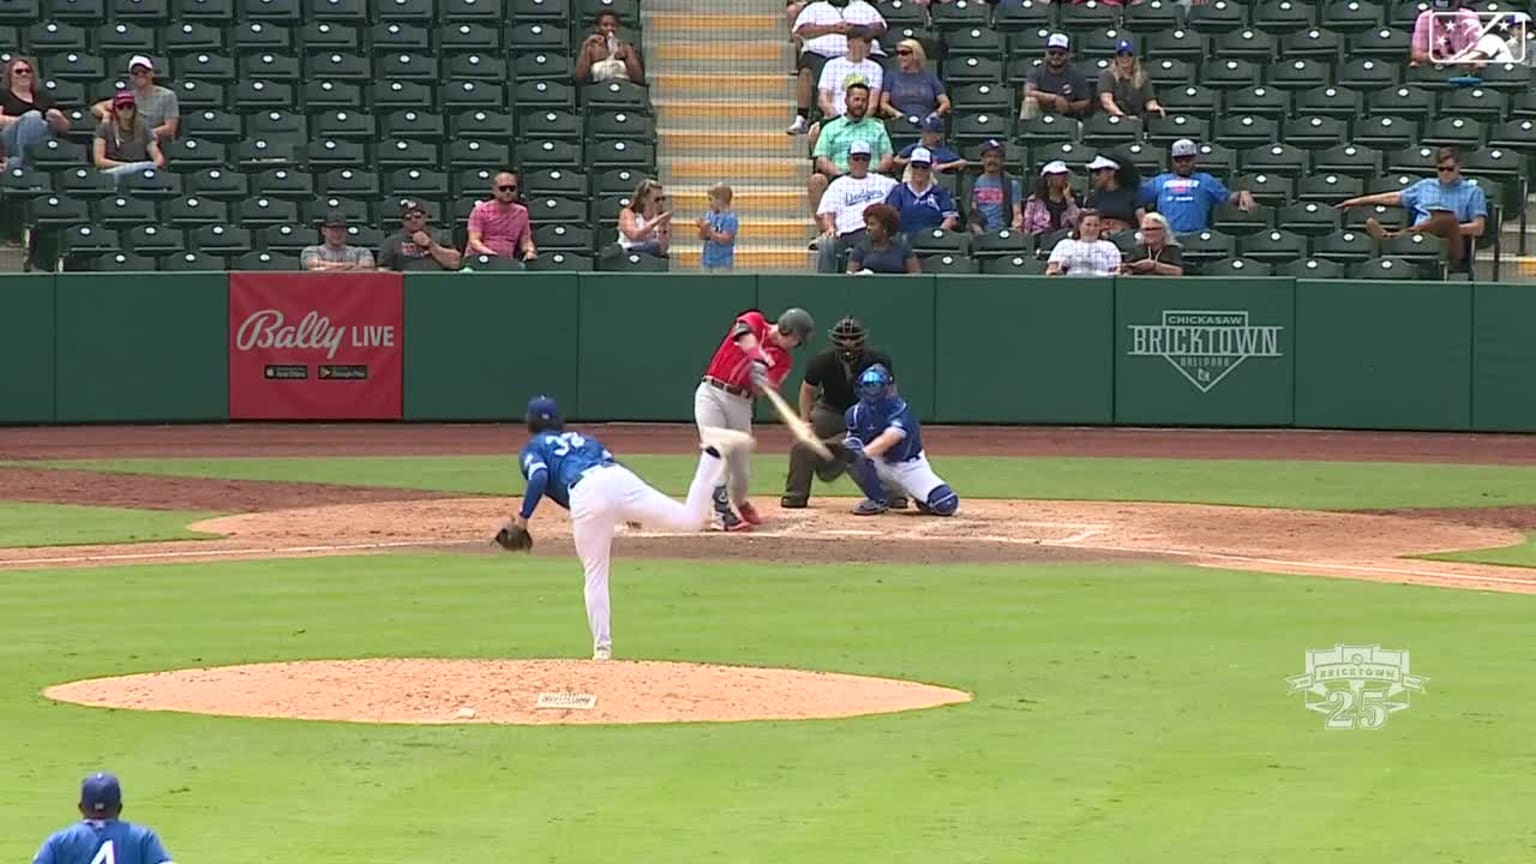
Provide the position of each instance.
(722, 87)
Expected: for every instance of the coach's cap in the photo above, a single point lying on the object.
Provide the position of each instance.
(859, 148)
(993, 144)
(335, 219)
(920, 156)
(1056, 167)
(1058, 40)
(411, 205)
(933, 123)
(542, 408)
(1124, 46)
(138, 60)
(1183, 147)
(1102, 161)
(101, 793)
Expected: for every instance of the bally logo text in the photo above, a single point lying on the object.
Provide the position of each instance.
(1205, 346)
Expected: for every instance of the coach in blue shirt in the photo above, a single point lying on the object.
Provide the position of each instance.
(1448, 206)
(922, 204)
(101, 837)
(1185, 196)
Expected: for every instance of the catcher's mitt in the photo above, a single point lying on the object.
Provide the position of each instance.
(514, 538)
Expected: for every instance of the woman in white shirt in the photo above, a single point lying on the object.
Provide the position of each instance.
(1084, 253)
(645, 226)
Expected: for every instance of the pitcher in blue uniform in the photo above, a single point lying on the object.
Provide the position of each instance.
(101, 837)
(885, 443)
(579, 474)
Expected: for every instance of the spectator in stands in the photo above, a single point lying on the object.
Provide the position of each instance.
(997, 197)
(1451, 30)
(1448, 206)
(921, 203)
(1157, 253)
(123, 143)
(27, 113)
(1115, 194)
(1185, 196)
(645, 225)
(1056, 87)
(335, 253)
(884, 248)
(863, 16)
(1124, 89)
(417, 246)
(911, 89)
(831, 153)
(717, 229)
(1085, 253)
(855, 67)
(841, 212)
(606, 57)
(944, 159)
(499, 225)
(823, 29)
(1051, 206)
(157, 106)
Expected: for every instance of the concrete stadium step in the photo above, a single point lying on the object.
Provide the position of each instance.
(718, 7)
(725, 144)
(764, 202)
(711, 169)
(748, 260)
(706, 26)
(775, 86)
(711, 114)
(725, 53)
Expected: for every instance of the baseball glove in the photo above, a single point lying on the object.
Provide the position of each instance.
(514, 538)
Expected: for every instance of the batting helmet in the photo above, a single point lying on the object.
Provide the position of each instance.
(799, 322)
(847, 333)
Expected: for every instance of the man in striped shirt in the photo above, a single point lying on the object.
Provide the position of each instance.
(335, 253)
(499, 226)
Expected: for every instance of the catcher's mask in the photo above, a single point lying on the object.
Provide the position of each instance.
(543, 414)
(874, 383)
(848, 337)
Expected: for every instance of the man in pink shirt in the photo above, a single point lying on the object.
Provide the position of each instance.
(1443, 31)
(500, 226)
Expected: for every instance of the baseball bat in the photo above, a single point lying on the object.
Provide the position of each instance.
(800, 428)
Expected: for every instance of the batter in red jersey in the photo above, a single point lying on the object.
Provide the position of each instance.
(753, 357)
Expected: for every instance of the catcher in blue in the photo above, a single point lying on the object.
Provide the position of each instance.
(102, 838)
(579, 474)
(885, 449)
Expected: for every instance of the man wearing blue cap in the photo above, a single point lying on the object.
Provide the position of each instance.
(1124, 89)
(944, 159)
(102, 838)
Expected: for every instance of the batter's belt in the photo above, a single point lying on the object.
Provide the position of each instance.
(729, 388)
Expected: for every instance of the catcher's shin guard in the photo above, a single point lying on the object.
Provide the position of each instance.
(868, 479)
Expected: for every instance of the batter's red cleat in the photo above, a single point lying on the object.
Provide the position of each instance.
(749, 513)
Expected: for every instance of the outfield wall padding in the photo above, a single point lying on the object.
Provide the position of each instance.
(968, 349)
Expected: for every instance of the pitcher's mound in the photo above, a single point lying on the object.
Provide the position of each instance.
(507, 691)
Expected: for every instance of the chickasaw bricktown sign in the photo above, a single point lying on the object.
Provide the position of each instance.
(1205, 346)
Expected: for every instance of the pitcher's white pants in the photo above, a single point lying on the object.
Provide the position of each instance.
(608, 495)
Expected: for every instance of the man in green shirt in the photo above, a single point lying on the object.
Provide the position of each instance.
(831, 153)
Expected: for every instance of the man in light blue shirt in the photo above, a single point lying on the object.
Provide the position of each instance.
(1448, 206)
(102, 838)
(1185, 196)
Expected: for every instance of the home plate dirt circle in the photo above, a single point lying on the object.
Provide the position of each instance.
(426, 691)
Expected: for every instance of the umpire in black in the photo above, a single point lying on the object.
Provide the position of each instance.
(826, 394)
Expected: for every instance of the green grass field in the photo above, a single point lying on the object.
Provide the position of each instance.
(1304, 485)
(1122, 713)
(28, 524)
(1519, 555)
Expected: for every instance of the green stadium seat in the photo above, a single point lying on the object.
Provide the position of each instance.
(1385, 132)
(1384, 268)
(1154, 16)
(352, 12)
(1315, 132)
(616, 182)
(491, 264)
(1283, 159)
(1349, 159)
(118, 262)
(1518, 134)
(65, 10)
(1368, 75)
(151, 183)
(1309, 217)
(58, 211)
(1244, 43)
(1344, 247)
(191, 262)
(286, 12)
(248, 95)
(340, 64)
(357, 212)
(1418, 248)
(1162, 131)
(418, 12)
(53, 37)
(470, 37)
(285, 183)
(1300, 73)
(86, 183)
(276, 122)
(1015, 265)
(1452, 131)
(397, 38)
(1176, 44)
(344, 124)
(126, 37)
(561, 261)
(189, 211)
(552, 210)
(555, 181)
(1195, 101)
(204, 11)
(1262, 101)
(538, 36)
(937, 240)
(1272, 190)
(1230, 220)
(1015, 15)
(153, 241)
(542, 153)
(415, 125)
(618, 261)
(53, 154)
(972, 42)
(903, 13)
(19, 12)
(1218, 16)
(1236, 266)
(213, 125)
(1217, 159)
(89, 240)
(24, 183)
(1311, 268)
(405, 153)
(353, 182)
(120, 210)
(265, 260)
(620, 124)
(318, 36)
(1475, 103)
(417, 183)
(193, 95)
(544, 93)
(984, 98)
(392, 95)
(960, 15)
(194, 36)
(948, 263)
(335, 153)
(289, 239)
(1273, 247)
(1003, 242)
(221, 240)
(474, 12)
(73, 66)
(1230, 73)
(188, 154)
(470, 153)
(205, 66)
(1390, 217)
(627, 10)
(325, 94)
(262, 211)
(271, 67)
(1402, 14)
(10, 40)
(1402, 101)
(1244, 131)
(254, 154)
(621, 153)
(551, 124)
(1201, 247)
(1284, 16)
(469, 95)
(262, 36)
(973, 70)
(1382, 43)
(981, 127)
(1104, 130)
(1329, 188)
(407, 66)
(1513, 77)
(1491, 162)
(1169, 73)
(542, 66)
(1353, 16)
(575, 238)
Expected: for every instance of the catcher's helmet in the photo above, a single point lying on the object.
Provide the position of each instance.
(847, 333)
(874, 383)
(799, 322)
(543, 413)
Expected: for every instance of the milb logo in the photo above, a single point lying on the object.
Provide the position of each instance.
(1468, 37)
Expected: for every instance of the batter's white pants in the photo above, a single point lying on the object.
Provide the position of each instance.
(715, 407)
(607, 495)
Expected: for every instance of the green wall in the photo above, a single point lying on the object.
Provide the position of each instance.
(968, 349)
